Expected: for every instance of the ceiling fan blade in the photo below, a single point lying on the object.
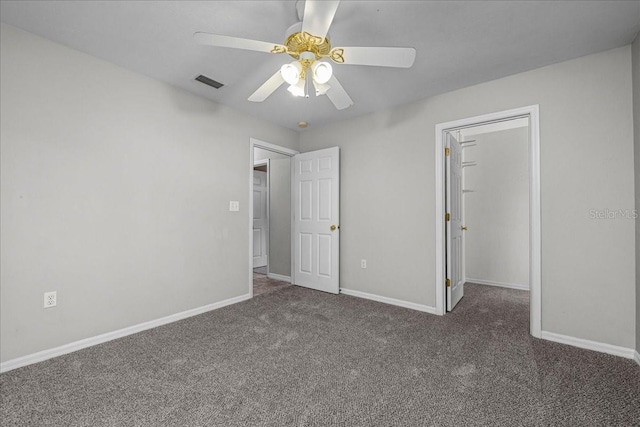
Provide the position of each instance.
(238, 43)
(338, 95)
(267, 88)
(401, 57)
(318, 16)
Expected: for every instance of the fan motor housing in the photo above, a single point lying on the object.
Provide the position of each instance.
(304, 42)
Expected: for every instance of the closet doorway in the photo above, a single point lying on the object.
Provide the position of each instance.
(495, 204)
(451, 188)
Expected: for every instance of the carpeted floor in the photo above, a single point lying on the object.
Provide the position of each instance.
(304, 358)
(262, 284)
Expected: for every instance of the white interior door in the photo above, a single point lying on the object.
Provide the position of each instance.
(455, 279)
(316, 231)
(260, 218)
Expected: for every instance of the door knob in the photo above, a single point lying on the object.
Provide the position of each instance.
(333, 227)
(463, 228)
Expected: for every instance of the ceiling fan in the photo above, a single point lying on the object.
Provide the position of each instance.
(308, 44)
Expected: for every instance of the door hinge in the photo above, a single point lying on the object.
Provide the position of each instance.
(448, 283)
(447, 216)
(447, 152)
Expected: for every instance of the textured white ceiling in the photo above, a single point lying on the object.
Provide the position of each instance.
(458, 44)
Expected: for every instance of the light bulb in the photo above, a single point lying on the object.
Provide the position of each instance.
(297, 89)
(322, 72)
(291, 72)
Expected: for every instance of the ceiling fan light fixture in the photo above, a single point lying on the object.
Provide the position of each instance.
(291, 72)
(308, 43)
(322, 72)
(297, 89)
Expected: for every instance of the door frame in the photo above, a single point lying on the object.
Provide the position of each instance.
(256, 143)
(532, 112)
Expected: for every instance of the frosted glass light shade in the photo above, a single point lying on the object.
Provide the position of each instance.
(321, 89)
(291, 72)
(298, 88)
(322, 72)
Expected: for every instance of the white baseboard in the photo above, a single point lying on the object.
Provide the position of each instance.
(99, 339)
(387, 300)
(279, 277)
(637, 357)
(615, 350)
(499, 284)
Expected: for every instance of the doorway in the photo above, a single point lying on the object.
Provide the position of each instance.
(445, 261)
(496, 204)
(270, 217)
(310, 217)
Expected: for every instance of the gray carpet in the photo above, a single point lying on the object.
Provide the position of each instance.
(304, 358)
(262, 284)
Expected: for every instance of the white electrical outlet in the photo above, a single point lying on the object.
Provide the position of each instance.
(234, 206)
(363, 263)
(49, 299)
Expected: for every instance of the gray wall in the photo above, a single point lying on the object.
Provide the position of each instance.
(636, 138)
(588, 266)
(280, 217)
(497, 211)
(262, 154)
(115, 193)
(280, 211)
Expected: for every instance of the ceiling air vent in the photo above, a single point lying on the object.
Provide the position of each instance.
(209, 82)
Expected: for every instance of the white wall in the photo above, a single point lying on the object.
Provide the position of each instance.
(636, 138)
(280, 210)
(496, 213)
(114, 192)
(588, 265)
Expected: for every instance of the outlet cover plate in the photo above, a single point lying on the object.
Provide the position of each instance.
(50, 299)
